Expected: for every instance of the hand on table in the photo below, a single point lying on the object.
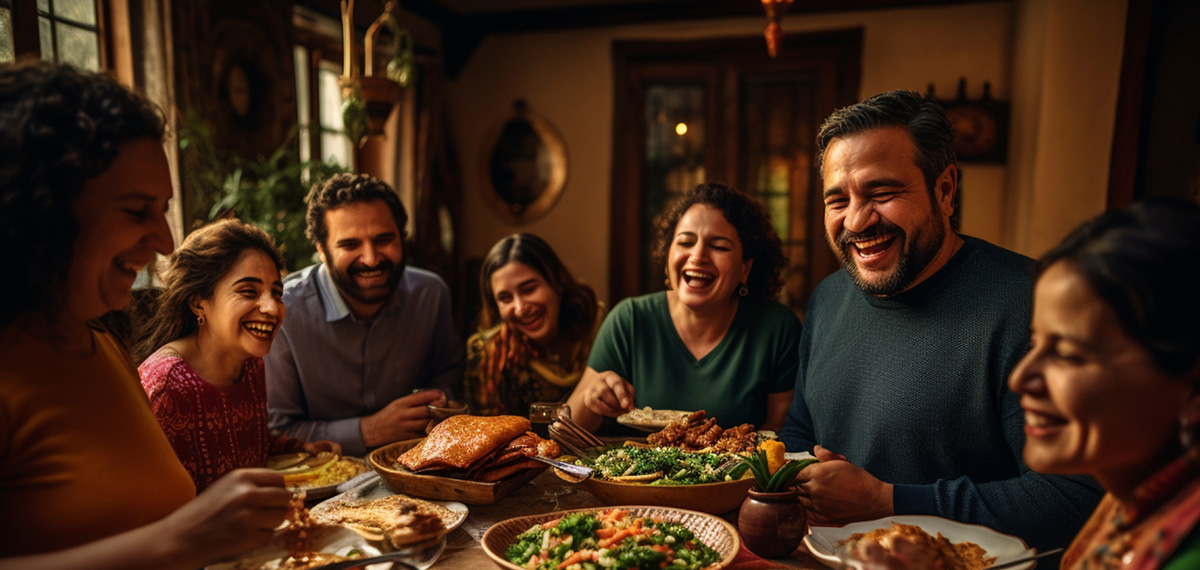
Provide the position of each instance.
(315, 447)
(837, 492)
(404, 418)
(236, 514)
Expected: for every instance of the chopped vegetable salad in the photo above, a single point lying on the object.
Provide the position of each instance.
(610, 539)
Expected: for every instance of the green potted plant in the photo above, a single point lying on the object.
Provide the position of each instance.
(267, 191)
(772, 521)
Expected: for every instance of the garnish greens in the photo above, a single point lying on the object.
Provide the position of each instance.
(676, 466)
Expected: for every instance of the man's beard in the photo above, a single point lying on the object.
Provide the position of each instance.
(349, 287)
(915, 255)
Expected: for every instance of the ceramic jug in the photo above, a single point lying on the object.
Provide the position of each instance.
(772, 525)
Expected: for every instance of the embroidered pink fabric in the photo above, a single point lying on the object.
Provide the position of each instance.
(213, 429)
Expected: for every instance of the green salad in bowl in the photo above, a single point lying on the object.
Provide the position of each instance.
(664, 466)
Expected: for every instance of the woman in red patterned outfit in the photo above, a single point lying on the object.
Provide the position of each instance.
(216, 318)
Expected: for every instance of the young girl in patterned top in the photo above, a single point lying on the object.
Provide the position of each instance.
(216, 318)
(535, 330)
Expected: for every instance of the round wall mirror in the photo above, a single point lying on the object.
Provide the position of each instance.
(525, 166)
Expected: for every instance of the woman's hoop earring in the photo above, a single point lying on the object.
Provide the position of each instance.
(200, 320)
(743, 290)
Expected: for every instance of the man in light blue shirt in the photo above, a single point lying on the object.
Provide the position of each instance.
(364, 335)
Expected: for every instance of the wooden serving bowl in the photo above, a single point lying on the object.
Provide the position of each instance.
(401, 480)
(712, 498)
(713, 531)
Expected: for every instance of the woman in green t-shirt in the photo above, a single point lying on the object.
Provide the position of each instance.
(715, 340)
(1111, 383)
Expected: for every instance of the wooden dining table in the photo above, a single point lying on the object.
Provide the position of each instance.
(548, 493)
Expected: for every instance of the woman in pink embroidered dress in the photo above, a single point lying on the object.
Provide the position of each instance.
(215, 320)
(1111, 384)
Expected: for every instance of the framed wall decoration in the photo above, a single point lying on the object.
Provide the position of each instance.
(524, 166)
(980, 126)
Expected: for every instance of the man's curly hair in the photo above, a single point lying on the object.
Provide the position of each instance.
(59, 127)
(343, 189)
(754, 228)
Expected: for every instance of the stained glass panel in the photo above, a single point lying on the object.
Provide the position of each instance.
(674, 162)
(777, 141)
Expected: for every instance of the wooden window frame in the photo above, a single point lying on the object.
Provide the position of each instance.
(112, 28)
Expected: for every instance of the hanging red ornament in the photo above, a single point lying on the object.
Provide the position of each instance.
(774, 33)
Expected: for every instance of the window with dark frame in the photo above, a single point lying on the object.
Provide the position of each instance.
(318, 94)
(69, 32)
(65, 31)
(8, 50)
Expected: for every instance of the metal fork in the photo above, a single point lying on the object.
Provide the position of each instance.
(564, 416)
(559, 434)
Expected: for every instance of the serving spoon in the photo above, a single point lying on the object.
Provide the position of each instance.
(576, 471)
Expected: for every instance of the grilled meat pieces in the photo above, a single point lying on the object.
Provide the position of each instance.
(696, 433)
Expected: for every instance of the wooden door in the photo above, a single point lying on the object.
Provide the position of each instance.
(723, 111)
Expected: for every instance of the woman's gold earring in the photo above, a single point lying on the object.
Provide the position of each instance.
(200, 320)
(743, 290)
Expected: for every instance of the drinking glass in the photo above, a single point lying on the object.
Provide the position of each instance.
(542, 414)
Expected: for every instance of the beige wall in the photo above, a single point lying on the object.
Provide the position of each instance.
(1068, 68)
(567, 78)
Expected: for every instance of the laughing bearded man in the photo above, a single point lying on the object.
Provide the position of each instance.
(905, 353)
(364, 333)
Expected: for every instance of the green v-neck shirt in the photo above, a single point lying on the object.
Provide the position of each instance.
(757, 357)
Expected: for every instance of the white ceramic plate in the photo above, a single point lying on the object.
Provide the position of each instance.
(1004, 547)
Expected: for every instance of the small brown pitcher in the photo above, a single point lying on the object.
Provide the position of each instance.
(772, 524)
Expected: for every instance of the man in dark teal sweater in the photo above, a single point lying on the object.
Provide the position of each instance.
(905, 353)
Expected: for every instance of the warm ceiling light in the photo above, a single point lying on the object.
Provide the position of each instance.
(681, 129)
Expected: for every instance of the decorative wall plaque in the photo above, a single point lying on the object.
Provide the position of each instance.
(980, 126)
(525, 166)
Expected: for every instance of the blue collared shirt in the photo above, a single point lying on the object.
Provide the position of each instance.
(327, 369)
